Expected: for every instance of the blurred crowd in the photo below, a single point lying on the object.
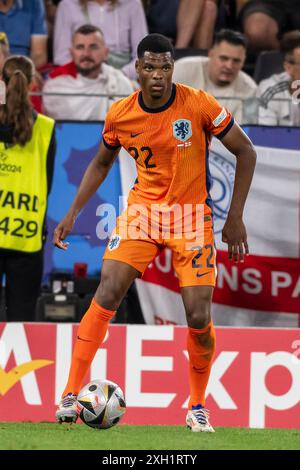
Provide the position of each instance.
(244, 52)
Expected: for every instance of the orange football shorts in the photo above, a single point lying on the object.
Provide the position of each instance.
(194, 258)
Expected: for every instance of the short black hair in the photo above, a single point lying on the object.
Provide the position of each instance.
(87, 29)
(289, 42)
(232, 37)
(155, 43)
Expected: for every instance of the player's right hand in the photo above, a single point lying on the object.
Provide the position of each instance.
(62, 231)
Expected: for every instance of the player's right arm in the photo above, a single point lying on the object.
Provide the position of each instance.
(92, 179)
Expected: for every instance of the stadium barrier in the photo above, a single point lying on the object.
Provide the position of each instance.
(249, 106)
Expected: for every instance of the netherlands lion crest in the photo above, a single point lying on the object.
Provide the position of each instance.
(182, 129)
(114, 242)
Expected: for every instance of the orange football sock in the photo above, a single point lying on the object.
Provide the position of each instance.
(201, 348)
(90, 335)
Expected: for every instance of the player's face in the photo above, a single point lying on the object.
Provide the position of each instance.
(226, 61)
(292, 67)
(88, 53)
(155, 75)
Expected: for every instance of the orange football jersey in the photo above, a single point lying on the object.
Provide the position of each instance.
(169, 144)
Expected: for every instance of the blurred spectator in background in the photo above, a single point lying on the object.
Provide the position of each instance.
(4, 49)
(195, 23)
(221, 73)
(271, 92)
(24, 23)
(186, 22)
(50, 9)
(87, 74)
(27, 149)
(36, 82)
(264, 21)
(161, 17)
(123, 24)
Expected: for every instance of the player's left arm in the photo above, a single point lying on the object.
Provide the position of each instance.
(234, 231)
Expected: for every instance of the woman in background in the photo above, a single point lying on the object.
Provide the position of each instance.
(27, 149)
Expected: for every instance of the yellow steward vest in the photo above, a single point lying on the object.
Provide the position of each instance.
(23, 189)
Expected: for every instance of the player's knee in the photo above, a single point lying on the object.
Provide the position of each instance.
(199, 317)
(109, 293)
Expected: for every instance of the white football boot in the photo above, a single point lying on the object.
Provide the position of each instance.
(197, 420)
(67, 409)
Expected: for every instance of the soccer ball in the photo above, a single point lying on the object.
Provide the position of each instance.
(101, 404)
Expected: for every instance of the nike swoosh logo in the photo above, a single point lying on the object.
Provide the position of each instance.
(135, 135)
(203, 274)
(9, 379)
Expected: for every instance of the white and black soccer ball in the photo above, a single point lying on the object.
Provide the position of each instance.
(101, 404)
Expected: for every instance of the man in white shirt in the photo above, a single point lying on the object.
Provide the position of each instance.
(220, 74)
(279, 95)
(87, 74)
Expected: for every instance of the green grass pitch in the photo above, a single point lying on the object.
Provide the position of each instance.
(53, 436)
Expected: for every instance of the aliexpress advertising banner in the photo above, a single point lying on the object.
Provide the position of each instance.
(255, 380)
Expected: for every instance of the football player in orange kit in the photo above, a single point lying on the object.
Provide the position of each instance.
(167, 128)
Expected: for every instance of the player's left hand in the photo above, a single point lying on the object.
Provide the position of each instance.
(235, 235)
